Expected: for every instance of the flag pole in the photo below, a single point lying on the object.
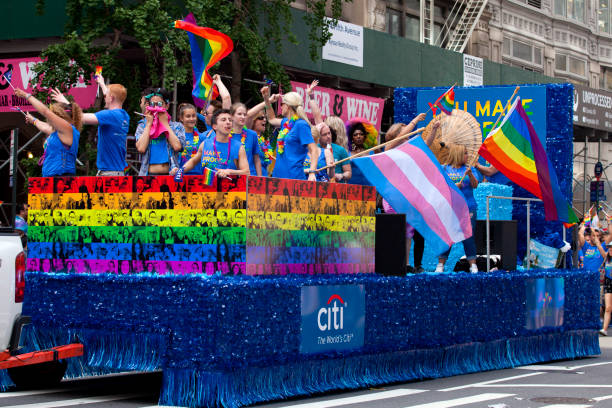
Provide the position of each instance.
(9, 82)
(407, 135)
(439, 99)
(501, 114)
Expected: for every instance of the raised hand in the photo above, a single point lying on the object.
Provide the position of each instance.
(311, 87)
(58, 96)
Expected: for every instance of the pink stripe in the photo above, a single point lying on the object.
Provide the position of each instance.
(396, 176)
(428, 167)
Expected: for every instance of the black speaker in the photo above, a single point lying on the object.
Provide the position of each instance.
(390, 249)
(502, 241)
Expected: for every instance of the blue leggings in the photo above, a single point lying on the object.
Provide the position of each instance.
(469, 245)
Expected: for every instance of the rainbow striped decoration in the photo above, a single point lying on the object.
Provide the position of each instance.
(208, 47)
(98, 70)
(515, 149)
(446, 101)
(302, 227)
(125, 225)
(209, 176)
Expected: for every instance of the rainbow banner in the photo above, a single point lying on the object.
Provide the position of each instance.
(446, 101)
(303, 227)
(98, 70)
(125, 225)
(515, 150)
(208, 47)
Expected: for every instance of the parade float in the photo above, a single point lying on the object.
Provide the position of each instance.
(255, 289)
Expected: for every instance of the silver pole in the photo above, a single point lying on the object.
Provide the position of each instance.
(565, 254)
(528, 235)
(584, 175)
(488, 243)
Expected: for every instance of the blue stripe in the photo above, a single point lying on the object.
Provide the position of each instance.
(400, 203)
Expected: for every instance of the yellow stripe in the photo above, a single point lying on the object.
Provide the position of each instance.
(515, 154)
(314, 222)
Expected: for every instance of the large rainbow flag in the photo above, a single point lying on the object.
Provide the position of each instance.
(208, 47)
(515, 149)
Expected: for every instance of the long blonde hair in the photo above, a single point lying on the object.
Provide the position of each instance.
(294, 101)
(456, 155)
(334, 122)
(71, 113)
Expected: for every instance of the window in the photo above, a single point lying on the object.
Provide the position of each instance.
(571, 65)
(572, 9)
(522, 51)
(603, 16)
(403, 19)
(605, 81)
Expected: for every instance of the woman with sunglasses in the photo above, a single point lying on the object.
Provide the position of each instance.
(158, 139)
(294, 140)
(259, 121)
(63, 127)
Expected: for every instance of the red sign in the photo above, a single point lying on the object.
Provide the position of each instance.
(343, 104)
(20, 72)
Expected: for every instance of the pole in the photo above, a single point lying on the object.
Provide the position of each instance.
(414, 132)
(564, 255)
(584, 174)
(488, 238)
(528, 234)
(13, 172)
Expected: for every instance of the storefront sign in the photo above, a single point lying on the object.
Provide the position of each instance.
(333, 318)
(19, 72)
(346, 105)
(486, 104)
(592, 108)
(345, 45)
(473, 70)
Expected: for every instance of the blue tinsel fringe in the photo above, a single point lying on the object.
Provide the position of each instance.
(198, 388)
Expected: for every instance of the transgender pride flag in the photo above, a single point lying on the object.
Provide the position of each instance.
(410, 178)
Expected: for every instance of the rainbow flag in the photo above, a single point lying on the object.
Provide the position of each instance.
(446, 101)
(515, 149)
(208, 47)
(209, 176)
(98, 70)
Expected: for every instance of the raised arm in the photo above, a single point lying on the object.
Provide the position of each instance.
(486, 170)
(254, 111)
(314, 107)
(102, 84)
(88, 118)
(272, 120)
(39, 124)
(64, 129)
(226, 99)
(581, 239)
(405, 130)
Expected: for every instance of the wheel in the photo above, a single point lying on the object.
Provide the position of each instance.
(38, 375)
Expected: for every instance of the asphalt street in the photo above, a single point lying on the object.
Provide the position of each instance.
(580, 383)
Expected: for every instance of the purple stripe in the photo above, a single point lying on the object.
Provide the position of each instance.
(400, 181)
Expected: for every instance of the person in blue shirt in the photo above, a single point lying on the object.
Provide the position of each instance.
(294, 141)
(160, 151)
(592, 249)
(220, 152)
(207, 111)
(188, 117)
(113, 124)
(607, 291)
(21, 219)
(63, 128)
(246, 137)
(456, 168)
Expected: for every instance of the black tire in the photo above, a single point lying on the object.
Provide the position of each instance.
(38, 375)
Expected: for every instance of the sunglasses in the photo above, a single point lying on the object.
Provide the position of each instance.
(158, 103)
(260, 118)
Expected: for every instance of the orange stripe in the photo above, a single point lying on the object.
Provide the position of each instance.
(501, 161)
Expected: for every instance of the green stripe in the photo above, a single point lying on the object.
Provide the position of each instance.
(517, 139)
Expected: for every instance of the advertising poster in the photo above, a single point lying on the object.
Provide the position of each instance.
(545, 299)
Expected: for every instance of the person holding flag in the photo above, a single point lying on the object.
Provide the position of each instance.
(219, 154)
(210, 106)
(113, 124)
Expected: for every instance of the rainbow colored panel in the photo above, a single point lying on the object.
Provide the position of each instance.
(309, 228)
(124, 225)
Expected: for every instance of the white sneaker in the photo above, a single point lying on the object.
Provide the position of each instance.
(473, 268)
(603, 332)
(440, 267)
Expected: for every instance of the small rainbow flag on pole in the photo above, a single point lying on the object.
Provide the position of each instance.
(208, 47)
(515, 149)
(446, 101)
(209, 176)
(98, 70)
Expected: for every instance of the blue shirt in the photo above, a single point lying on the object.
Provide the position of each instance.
(60, 159)
(607, 267)
(220, 160)
(251, 147)
(159, 150)
(456, 174)
(113, 125)
(191, 148)
(289, 165)
(321, 162)
(592, 259)
(178, 130)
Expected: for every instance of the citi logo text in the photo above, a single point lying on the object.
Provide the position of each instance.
(332, 316)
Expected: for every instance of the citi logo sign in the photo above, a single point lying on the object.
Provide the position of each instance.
(332, 316)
